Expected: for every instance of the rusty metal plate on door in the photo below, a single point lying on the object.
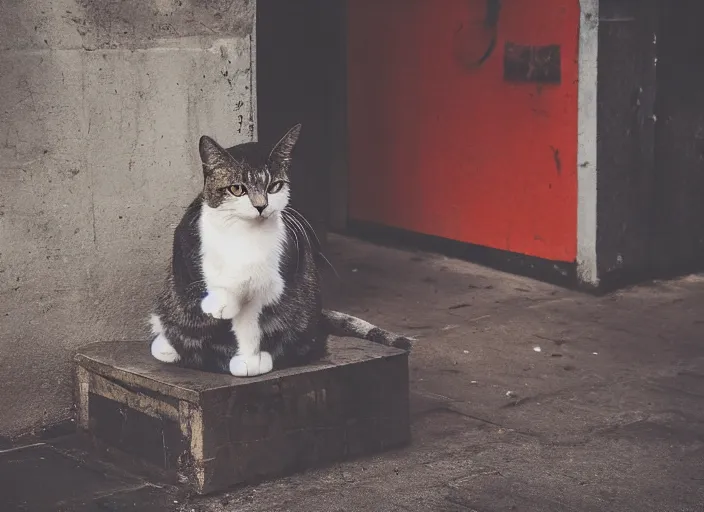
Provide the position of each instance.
(538, 64)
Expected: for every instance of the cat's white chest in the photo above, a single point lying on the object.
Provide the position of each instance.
(242, 257)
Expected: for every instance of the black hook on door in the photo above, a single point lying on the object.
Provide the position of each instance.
(491, 22)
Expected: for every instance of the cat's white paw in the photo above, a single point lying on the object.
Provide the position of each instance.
(163, 351)
(218, 305)
(250, 366)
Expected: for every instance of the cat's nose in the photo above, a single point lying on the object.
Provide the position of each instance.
(260, 209)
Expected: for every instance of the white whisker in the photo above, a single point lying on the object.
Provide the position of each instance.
(295, 239)
(329, 264)
(295, 214)
(302, 230)
(302, 218)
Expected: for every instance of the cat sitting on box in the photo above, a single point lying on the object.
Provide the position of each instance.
(243, 293)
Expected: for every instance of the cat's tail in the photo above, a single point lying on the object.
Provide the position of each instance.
(342, 324)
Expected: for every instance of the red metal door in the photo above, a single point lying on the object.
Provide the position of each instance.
(441, 147)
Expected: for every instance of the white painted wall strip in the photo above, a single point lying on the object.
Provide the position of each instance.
(586, 143)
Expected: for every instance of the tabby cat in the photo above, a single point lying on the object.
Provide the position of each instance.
(243, 293)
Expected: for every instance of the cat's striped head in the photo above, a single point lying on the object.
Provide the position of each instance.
(248, 181)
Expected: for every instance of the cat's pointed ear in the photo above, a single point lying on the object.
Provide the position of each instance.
(212, 154)
(280, 156)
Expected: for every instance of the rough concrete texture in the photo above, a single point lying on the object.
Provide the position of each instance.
(605, 416)
(101, 107)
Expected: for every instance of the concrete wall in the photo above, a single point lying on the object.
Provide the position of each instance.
(650, 149)
(677, 208)
(102, 103)
(626, 173)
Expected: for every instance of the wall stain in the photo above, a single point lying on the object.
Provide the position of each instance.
(107, 24)
(556, 157)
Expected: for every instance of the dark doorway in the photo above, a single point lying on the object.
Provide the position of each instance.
(300, 79)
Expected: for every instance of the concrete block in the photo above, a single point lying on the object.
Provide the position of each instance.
(213, 431)
(102, 104)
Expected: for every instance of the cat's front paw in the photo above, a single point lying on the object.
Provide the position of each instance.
(218, 305)
(251, 366)
(163, 351)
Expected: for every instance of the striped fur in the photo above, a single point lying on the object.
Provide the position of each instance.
(336, 323)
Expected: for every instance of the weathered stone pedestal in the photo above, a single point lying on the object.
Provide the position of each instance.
(214, 431)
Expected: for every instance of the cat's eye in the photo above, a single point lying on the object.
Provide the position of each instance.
(237, 190)
(275, 187)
